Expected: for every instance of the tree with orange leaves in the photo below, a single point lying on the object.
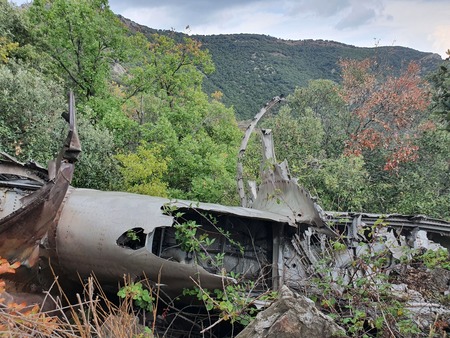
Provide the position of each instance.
(386, 111)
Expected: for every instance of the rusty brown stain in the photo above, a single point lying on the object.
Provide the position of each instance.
(22, 230)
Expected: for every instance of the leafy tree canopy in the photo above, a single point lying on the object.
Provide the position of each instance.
(83, 37)
(440, 81)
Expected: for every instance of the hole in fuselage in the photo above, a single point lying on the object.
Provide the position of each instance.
(132, 239)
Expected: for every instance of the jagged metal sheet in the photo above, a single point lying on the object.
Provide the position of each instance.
(22, 229)
(408, 222)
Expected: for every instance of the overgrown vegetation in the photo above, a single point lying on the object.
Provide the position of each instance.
(235, 301)
(358, 138)
(361, 294)
(92, 315)
(368, 144)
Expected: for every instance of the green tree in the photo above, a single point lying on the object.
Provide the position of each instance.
(85, 41)
(340, 182)
(323, 98)
(299, 139)
(201, 138)
(97, 168)
(163, 95)
(143, 171)
(83, 37)
(423, 186)
(166, 67)
(440, 81)
(12, 30)
(358, 145)
(30, 120)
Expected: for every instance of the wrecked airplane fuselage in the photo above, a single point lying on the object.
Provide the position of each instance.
(281, 234)
(120, 233)
(113, 234)
(44, 222)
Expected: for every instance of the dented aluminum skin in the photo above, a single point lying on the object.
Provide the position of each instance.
(46, 223)
(91, 236)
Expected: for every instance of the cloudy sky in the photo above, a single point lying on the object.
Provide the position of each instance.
(420, 24)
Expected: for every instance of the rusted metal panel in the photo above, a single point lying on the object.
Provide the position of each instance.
(22, 230)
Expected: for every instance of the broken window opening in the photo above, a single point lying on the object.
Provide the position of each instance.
(132, 239)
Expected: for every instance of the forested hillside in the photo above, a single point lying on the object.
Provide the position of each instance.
(157, 112)
(252, 68)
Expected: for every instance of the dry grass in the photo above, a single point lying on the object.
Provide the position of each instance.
(92, 315)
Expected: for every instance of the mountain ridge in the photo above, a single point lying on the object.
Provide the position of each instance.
(252, 68)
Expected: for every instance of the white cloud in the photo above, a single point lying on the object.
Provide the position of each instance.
(440, 39)
(419, 24)
(151, 17)
(321, 8)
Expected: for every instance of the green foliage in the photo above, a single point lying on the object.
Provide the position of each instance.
(298, 139)
(106, 112)
(192, 239)
(253, 68)
(83, 37)
(97, 168)
(142, 297)
(162, 93)
(250, 68)
(322, 99)
(435, 258)
(311, 132)
(185, 234)
(13, 32)
(234, 302)
(363, 302)
(200, 138)
(148, 88)
(30, 106)
(341, 183)
(422, 186)
(6, 47)
(177, 66)
(143, 170)
(153, 97)
(440, 81)
(363, 299)
(132, 235)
